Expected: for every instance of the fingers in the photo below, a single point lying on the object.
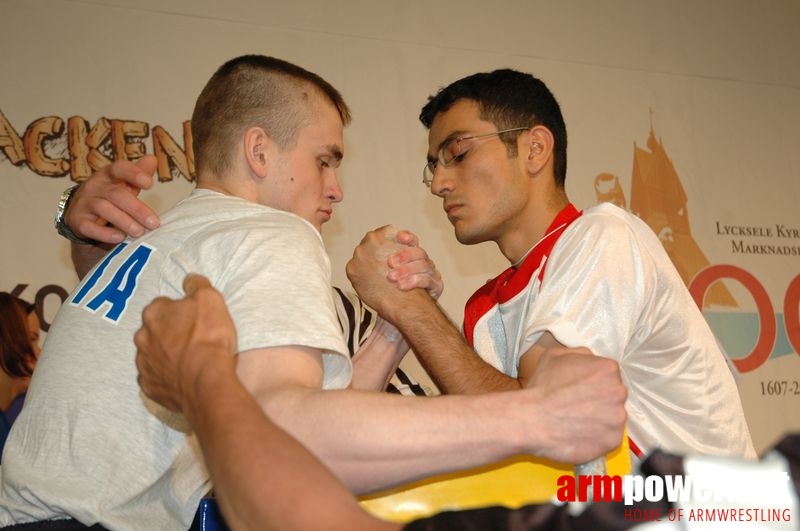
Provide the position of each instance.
(94, 231)
(388, 254)
(406, 237)
(153, 312)
(386, 232)
(140, 340)
(180, 338)
(111, 221)
(122, 207)
(147, 168)
(560, 366)
(430, 282)
(584, 401)
(557, 351)
(109, 196)
(194, 282)
(411, 268)
(150, 356)
(134, 175)
(137, 174)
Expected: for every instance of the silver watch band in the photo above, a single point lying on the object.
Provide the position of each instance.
(62, 228)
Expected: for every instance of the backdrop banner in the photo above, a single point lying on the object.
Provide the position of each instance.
(710, 162)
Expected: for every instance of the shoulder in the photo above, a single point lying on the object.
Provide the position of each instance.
(605, 230)
(213, 206)
(607, 214)
(611, 224)
(601, 223)
(217, 230)
(238, 220)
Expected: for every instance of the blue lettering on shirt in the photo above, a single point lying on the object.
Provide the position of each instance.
(98, 272)
(116, 293)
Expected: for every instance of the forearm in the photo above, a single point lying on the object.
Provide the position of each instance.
(375, 440)
(440, 348)
(378, 358)
(263, 478)
(84, 257)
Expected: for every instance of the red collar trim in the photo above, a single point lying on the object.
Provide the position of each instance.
(512, 280)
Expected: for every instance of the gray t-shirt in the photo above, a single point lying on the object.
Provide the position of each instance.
(88, 444)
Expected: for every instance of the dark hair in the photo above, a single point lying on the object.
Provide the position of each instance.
(508, 99)
(255, 90)
(17, 358)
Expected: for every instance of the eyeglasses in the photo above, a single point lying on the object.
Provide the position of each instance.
(454, 151)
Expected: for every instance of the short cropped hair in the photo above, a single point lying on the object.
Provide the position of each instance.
(255, 90)
(508, 99)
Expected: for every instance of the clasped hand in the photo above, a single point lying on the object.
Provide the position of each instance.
(389, 262)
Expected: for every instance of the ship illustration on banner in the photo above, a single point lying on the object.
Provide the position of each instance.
(657, 196)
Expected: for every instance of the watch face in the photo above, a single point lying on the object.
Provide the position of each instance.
(61, 204)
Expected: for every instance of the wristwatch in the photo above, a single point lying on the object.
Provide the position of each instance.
(62, 228)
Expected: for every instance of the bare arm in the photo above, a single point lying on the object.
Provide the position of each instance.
(573, 412)
(453, 365)
(106, 208)
(438, 344)
(375, 440)
(263, 477)
(85, 257)
(381, 353)
(378, 357)
(440, 348)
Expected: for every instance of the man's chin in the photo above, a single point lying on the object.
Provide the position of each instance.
(468, 238)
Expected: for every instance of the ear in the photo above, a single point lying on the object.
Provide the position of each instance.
(537, 148)
(256, 151)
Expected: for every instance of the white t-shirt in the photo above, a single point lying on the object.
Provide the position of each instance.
(606, 283)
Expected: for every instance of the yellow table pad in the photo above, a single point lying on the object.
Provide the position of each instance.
(511, 483)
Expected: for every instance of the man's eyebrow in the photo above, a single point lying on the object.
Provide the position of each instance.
(334, 151)
(452, 136)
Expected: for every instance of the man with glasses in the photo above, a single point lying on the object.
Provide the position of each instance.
(600, 278)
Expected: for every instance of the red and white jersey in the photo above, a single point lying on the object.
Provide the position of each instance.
(601, 279)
